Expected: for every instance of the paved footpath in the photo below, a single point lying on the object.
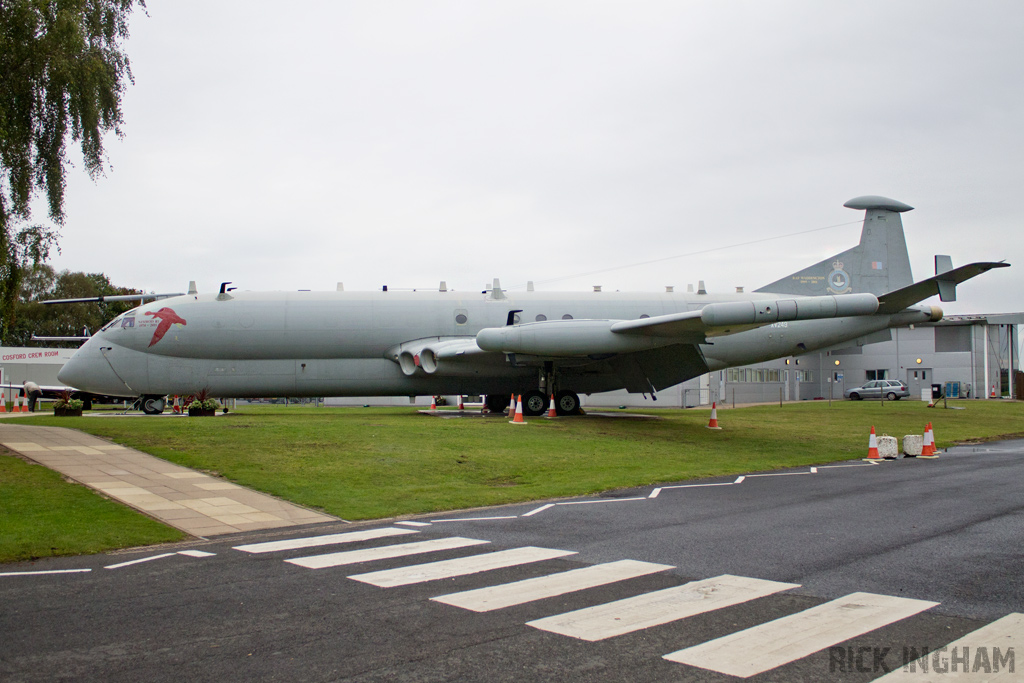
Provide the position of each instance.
(189, 500)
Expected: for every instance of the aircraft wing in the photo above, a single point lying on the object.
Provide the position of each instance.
(944, 284)
(554, 338)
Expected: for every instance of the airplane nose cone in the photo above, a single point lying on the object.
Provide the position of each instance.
(89, 371)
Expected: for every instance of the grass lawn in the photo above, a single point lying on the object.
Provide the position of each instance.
(362, 463)
(42, 515)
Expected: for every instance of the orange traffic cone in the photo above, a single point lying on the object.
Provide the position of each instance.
(19, 405)
(3, 403)
(928, 449)
(518, 420)
(873, 447)
(433, 403)
(551, 408)
(176, 407)
(713, 424)
(993, 393)
(512, 406)
(462, 406)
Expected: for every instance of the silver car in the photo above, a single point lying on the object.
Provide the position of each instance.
(891, 389)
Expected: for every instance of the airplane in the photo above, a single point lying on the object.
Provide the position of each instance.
(240, 344)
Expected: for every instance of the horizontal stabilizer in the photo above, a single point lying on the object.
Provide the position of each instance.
(944, 284)
(112, 297)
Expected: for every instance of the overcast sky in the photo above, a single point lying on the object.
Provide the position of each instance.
(298, 145)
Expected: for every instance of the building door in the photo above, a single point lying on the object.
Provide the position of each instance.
(705, 389)
(918, 379)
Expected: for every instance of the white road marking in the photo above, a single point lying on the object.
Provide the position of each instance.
(538, 588)
(384, 552)
(542, 508)
(470, 519)
(659, 607)
(778, 474)
(144, 559)
(697, 486)
(654, 493)
(446, 569)
(603, 500)
(50, 571)
(414, 523)
(329, 539)
(837, 467)
(774, 643)
(739, 480)
(196, 553)
(1007, 634)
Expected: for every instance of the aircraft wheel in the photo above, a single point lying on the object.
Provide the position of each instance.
(496, 403)
(153, 405)
(567, 403)
(534, 403)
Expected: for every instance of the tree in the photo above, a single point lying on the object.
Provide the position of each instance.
(62, 73)
(64, 320)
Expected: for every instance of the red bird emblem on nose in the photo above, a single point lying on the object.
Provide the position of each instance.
(167, 318)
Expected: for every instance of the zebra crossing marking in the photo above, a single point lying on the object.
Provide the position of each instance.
(774, 643)
(445, 569)
(1006, 634)
(528, 590)
(658, 607)
(329, 539)
(384, 552)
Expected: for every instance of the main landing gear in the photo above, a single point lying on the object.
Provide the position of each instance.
(535, 403)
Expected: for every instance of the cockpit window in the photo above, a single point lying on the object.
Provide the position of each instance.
(112, 323)
(126, 319)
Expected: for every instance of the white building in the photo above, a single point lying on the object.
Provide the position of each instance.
(971, 356)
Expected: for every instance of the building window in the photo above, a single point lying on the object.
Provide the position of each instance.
(876, 374)
(753, 375)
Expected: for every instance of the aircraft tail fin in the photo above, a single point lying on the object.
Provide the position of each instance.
(879, 264)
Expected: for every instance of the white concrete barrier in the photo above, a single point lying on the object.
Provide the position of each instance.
(887, 447)
(913, 444)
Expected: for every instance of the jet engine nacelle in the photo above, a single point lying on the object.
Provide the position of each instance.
(439, 356)
(564, 338)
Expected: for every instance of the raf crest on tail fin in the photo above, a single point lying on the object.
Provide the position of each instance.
(877, 265)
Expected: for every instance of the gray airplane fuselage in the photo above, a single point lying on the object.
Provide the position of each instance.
(257, 344)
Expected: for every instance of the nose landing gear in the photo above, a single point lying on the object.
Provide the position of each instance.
(153, 405)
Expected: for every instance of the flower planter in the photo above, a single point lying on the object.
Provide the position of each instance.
(67, 412)
(202, 412)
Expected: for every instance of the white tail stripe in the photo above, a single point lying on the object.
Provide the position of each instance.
(1006, 634)
(446, 569)
(538, 588)
(790, 638)
(658, 607)
(330, 539)
(384, 552)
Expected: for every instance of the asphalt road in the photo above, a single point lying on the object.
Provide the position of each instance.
(948, 531)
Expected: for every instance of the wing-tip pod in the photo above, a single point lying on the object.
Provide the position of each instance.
(767, 311)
